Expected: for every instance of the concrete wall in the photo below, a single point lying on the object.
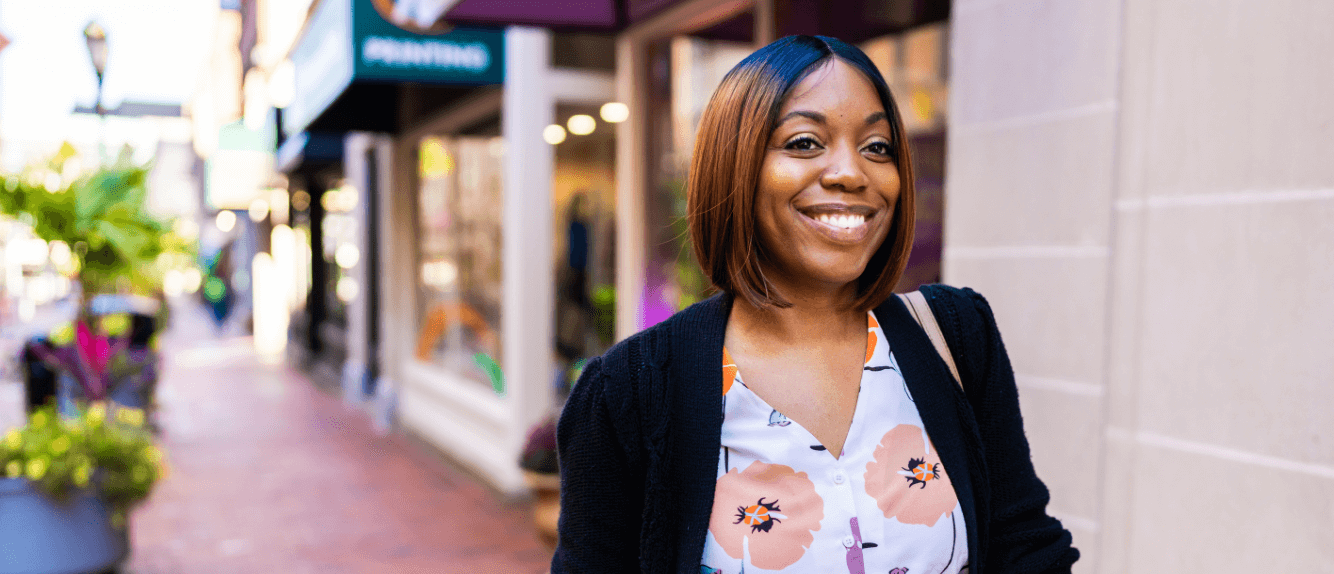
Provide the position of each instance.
(1143, 189)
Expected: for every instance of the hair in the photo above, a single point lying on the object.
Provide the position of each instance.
(730, 146)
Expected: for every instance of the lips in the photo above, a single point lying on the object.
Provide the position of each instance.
(844, 224)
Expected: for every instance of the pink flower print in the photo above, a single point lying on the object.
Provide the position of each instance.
(767, 513)
(907, 480)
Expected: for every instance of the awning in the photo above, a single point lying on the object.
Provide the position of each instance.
(309, 149)
(848, 20)
(355, 58)
(562, 15)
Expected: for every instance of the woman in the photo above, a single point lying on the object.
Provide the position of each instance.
(801, 420)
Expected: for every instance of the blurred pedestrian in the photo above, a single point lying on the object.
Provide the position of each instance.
(801, 418)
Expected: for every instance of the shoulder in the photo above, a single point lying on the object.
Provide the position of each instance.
(959, 310)
(656, 346)
(628, 363)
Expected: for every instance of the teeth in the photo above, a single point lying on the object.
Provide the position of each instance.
(842, 221)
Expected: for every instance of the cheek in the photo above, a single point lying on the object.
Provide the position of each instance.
(781, 176)
(891, 189)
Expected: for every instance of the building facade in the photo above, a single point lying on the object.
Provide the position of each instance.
(1142, 190)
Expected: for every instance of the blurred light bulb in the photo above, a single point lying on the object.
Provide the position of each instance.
(259, 209)
(553, 134)
(173, 283)
(347, 256)
(225, 221)
(347, 289)
(60, 253)
(193, 279)
(614, 112)
(581, 124)
(186, 229)
(278, 205)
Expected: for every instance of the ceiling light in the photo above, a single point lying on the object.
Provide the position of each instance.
(553, 134)
(581, 124)
(614, 112)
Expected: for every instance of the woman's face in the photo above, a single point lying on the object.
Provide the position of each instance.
(828, 182)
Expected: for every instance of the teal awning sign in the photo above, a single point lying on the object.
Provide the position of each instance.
(346, 41)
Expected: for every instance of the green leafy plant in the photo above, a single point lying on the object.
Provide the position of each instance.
(106, 449)
(100, 215)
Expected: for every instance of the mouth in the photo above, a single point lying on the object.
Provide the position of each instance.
(839, 218)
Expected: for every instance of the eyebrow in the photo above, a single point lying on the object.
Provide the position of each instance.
(820, 118)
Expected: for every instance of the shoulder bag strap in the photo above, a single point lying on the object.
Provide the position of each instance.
(921, 312)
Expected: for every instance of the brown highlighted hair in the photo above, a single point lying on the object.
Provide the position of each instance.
(730, 144)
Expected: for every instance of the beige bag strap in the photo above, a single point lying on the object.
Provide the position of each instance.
(921, 312)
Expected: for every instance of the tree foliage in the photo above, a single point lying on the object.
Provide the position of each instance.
(100, 215)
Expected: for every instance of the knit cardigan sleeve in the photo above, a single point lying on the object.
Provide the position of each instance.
(600, 503)
(1021, 536)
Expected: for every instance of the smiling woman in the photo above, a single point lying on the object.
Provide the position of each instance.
(783, 143)
(843, 442)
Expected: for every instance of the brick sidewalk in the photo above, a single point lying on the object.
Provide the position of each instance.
(269, 475)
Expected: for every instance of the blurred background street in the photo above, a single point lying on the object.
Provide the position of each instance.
(268, 474)
(299, 285)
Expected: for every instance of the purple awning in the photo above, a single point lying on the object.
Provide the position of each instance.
(561, 15)
(593, 15)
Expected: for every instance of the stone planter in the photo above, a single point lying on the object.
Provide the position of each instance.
(546, 504)
(41, 536)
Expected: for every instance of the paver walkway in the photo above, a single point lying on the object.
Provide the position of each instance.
(270, 475)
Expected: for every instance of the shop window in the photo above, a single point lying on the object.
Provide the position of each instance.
(460, 269)
(584, 206)
(683, 73)
(341, 230)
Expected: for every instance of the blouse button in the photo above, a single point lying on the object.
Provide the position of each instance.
(848, 541)
(839, 477)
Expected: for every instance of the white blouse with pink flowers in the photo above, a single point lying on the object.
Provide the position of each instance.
(782, 502)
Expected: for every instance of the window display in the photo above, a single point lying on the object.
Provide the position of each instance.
(460, 270)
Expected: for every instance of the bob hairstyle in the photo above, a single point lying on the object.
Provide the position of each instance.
(730, 145)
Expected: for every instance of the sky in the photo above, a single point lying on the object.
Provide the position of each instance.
(156, 49)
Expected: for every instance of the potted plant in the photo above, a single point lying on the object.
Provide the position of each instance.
(68, 485)
(69, 478)
(117, 249)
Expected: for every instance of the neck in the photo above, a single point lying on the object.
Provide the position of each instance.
(814, 317)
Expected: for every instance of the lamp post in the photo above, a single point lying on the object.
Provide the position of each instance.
(96, 38)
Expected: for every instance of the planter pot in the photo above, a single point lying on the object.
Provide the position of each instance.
(41, 536)
(546, 504)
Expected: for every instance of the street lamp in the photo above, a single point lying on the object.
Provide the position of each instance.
(96, 38)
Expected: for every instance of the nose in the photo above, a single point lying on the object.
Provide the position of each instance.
(844, 170)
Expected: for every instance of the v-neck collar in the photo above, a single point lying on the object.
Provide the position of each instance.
(858, 409)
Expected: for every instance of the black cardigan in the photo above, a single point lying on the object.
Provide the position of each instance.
(638, 442)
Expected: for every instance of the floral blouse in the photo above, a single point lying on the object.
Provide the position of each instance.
(782, 501)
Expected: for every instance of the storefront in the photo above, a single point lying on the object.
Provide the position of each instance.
(431, 204)
(670, 54)
(506, 201)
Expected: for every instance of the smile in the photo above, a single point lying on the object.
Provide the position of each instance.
(841, 221)
(842, 224)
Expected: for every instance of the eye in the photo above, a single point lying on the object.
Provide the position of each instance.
(880, 148)
(802, 143)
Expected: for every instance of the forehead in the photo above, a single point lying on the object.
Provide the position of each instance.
(834, 86)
